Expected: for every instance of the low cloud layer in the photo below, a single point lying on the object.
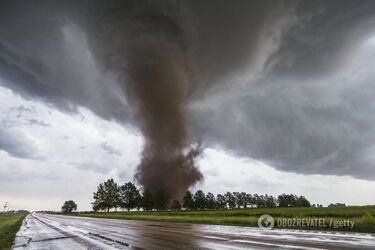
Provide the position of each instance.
(288, 83)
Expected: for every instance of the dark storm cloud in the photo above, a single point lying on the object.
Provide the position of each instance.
(296, 136)
(45, 56)
(312, 110)
(324, 39)
(262, 79)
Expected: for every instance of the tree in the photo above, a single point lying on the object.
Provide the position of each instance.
(188, 201)
(292, 200)
(199, 200)
(236, 196)
(221, 201)
(231, 200)
(282, 200)
(303, 202)
(129, 196)
(68, 207)
(270, 201)
(241, 199)
(259, 200)
(287, 200)
(243, 196)
(161, 199)
(107, 196)
(249, 200)
(147, 200)
(210, 201)
(176, 205)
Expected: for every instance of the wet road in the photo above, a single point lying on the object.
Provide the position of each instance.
(66, 232)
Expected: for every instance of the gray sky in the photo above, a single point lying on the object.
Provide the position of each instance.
(281, 97)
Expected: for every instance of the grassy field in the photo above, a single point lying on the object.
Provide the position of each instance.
(325, 218)
(9, 225)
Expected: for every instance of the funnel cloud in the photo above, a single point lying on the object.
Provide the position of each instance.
(152, 69)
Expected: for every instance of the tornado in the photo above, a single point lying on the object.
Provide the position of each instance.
(145, 44)
(158, 89)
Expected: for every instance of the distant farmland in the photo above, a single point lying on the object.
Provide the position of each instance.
(363, 217)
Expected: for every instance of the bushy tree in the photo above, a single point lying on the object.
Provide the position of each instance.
(129, 196)
(210, 201)
(236, 196)
(257, 200)
(303, 202)
(199, 200)
(287, 200)
(270, 201)
(107, 196)
(188, 201)
(231, 200)
(161, 199)
(261, 202)
(249, 200)
(68, 207)
(243, 196)
(241, 199)
(221, 201)
(147, 200)
(282, 200)
(293, 200)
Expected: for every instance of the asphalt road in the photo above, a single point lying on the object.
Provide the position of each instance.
(66, 232)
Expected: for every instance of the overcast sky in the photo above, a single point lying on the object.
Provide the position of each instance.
(280, 95)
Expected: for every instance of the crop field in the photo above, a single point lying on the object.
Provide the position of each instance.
(9, 225)
(361, 218)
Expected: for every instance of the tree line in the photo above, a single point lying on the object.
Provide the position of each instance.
(110, 195)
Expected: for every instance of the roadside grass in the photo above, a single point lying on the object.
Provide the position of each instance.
(362, 216)
(9, 225)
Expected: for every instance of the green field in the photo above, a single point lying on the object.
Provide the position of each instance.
(329, 218)
(9, 225)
